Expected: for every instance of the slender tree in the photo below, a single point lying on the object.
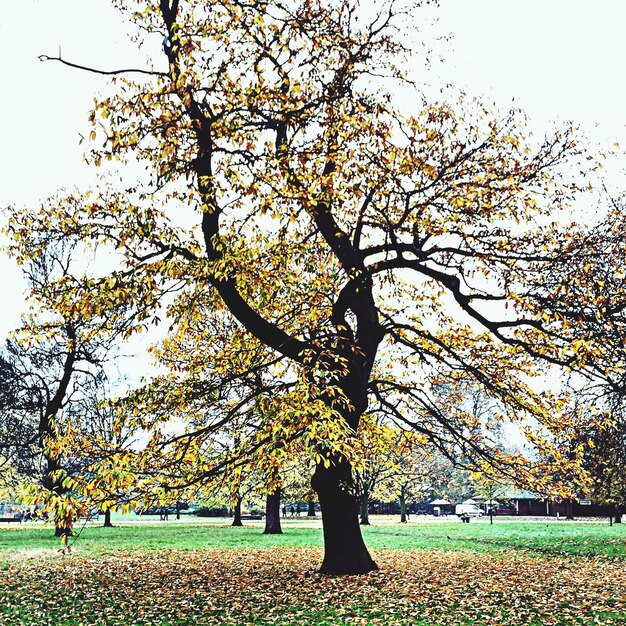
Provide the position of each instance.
(55, 363)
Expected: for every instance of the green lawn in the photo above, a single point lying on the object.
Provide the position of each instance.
(443, 573)
(543, 537)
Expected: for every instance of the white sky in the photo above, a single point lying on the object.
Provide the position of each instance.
(554, 58)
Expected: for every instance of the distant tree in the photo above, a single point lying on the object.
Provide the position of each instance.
(54, 364)
(605, 460)
(491, 487)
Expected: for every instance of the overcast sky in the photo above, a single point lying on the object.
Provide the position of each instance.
(558, 59)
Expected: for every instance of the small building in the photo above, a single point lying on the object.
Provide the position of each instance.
(530, 503)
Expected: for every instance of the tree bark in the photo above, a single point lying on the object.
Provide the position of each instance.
(402, 506)
(569, 509)
(311, 511)
(61, 530)
(618, 514)
(272, 513)
(63, 525)
(365, 507)
(237, 513)
(107, 520)
(344, 549)
(177, 509)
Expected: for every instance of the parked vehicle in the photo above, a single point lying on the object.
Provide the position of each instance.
(468, 509)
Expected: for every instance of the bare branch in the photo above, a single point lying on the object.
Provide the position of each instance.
(93, 70)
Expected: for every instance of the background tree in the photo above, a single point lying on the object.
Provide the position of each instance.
(55, 365)
(490, 488)
(604, 443)
(380, 452)
(412, 476)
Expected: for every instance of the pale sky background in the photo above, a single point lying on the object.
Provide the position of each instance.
(557, 59)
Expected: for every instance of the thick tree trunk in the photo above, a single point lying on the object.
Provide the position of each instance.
(365, 507)
(569, 509)
(344, 549)
(107, 520)
(177, 510)
(618, 514)
(272, 514)
(403, 518)
(237, 513)
(311, 511)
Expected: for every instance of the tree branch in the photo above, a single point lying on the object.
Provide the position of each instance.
(93, 70)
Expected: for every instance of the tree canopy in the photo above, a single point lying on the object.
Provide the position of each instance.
(319, 253)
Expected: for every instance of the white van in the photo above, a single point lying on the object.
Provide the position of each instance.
(468, 509)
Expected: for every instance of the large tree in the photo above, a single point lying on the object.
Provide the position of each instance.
(337, 231)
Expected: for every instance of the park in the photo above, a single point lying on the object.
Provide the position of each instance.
(522, 571)
(306, 330)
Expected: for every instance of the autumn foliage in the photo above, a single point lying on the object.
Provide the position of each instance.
(253, 587)
(321, 255)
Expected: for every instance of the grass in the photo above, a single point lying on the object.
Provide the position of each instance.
(444, 573)
(503, 536)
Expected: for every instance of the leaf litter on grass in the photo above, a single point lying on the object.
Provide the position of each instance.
(281, 586)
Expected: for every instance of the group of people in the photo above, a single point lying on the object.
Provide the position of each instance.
(292, 510)
(21, 515)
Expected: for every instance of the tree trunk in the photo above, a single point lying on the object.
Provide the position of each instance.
(618, 514)
(62, 525)
(107, 520)
(237, 513)
(569, 509)
(272, 513)
(311, 511)
(365, 507)
(61, 530)
(402, 506)
(178, 510)
(344, 549)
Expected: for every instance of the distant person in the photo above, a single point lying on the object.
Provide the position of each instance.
(298, 510)
(285, 511)
(291, 511)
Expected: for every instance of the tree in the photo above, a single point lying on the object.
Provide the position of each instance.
(338, 232)
(605, 460)
(272, 513)
(490, 488)
(55, 365)
(412, 476)
(379, 450)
